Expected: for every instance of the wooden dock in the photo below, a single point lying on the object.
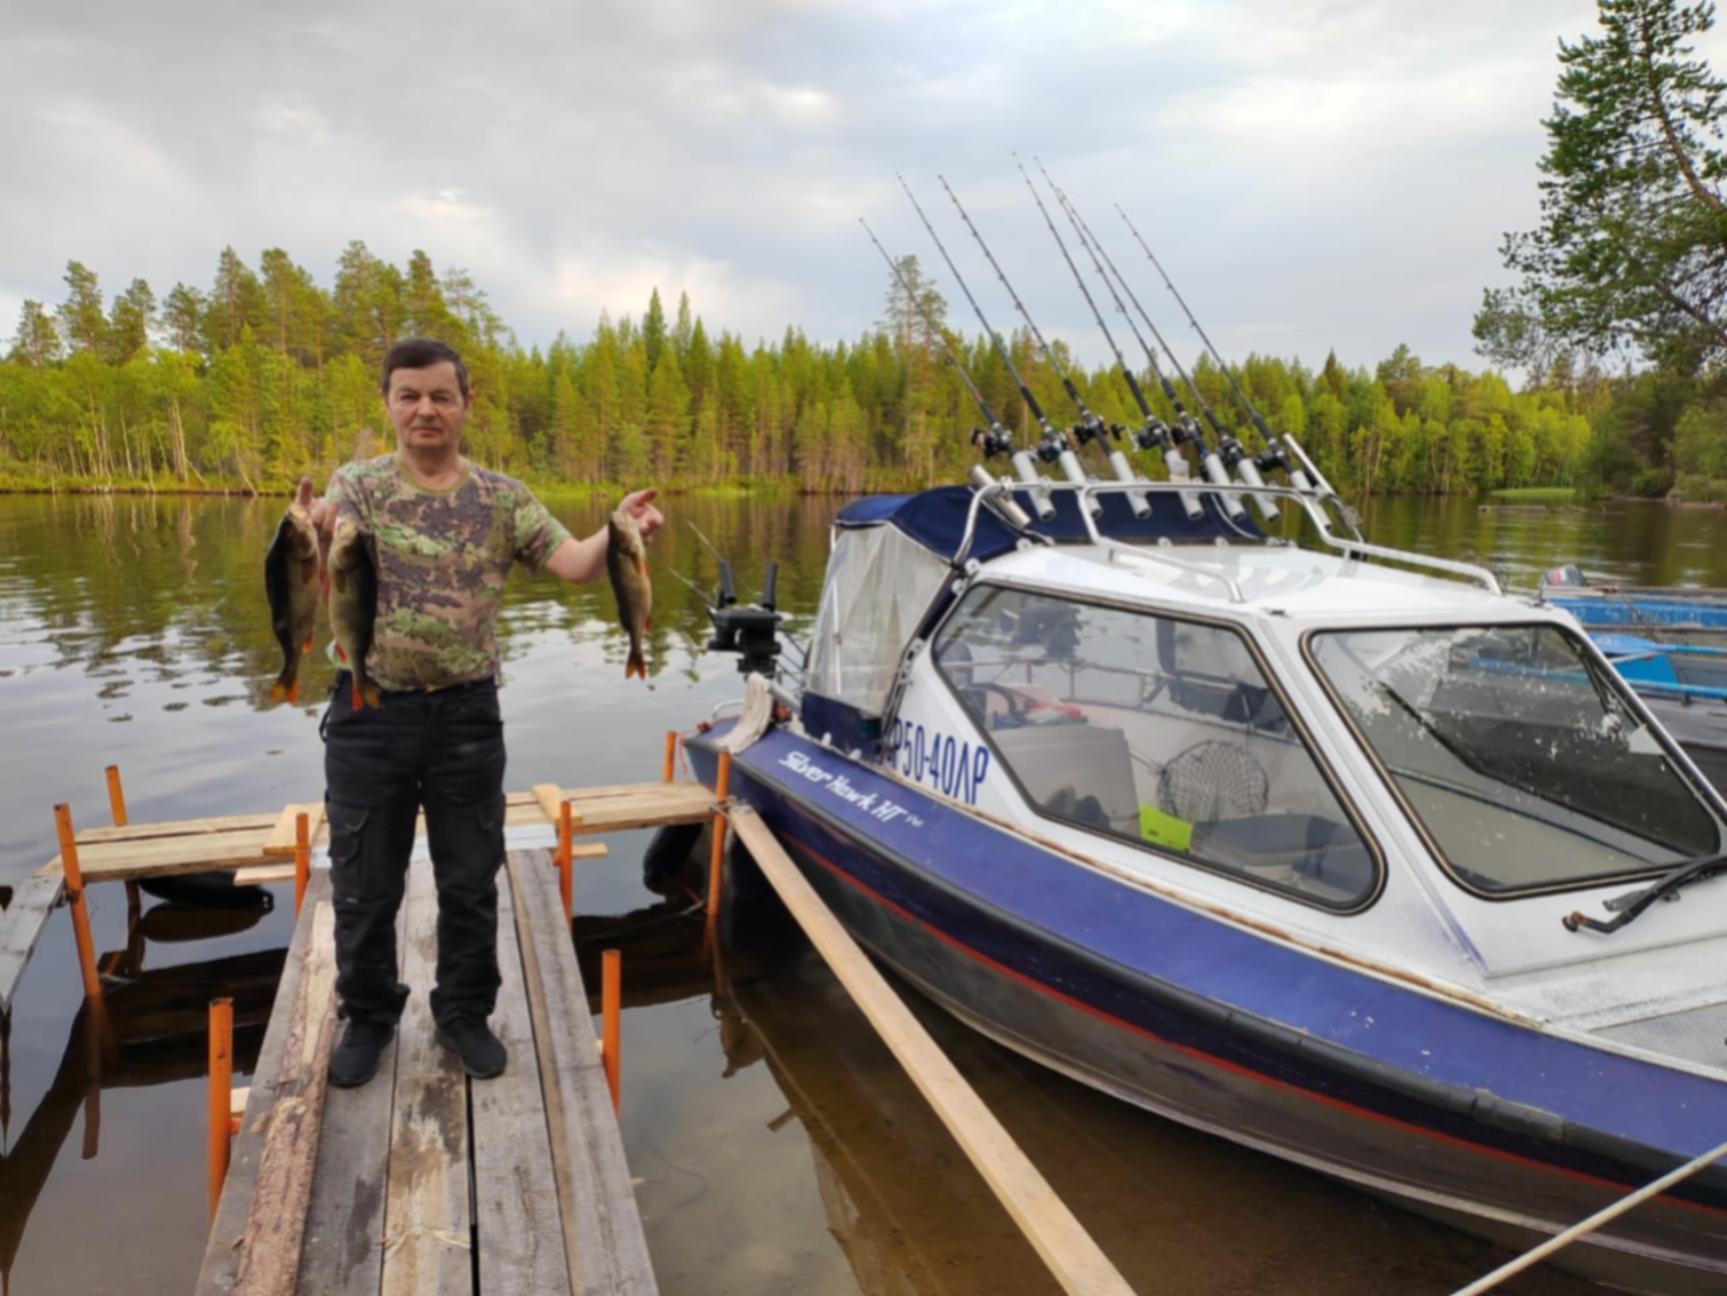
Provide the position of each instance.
(259, 848)
(423, 1180)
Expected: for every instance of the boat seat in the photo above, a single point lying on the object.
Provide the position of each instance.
(1078, 771)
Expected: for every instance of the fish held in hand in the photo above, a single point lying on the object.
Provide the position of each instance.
(291, 585)
(627, 565)
(354, 607)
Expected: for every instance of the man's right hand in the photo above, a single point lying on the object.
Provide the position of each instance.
(323, 515)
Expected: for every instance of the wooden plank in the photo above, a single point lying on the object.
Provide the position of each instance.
(263, 874)
(603, 1239)
(223, 1249)
(520, 1237)
(426, 1242)
(645, 805)
(135, 832)
(343, 1254)
(281, 838)
(21, 926)
(164, 856)
(549, 797)
(1077, 1262)
(270, 1259)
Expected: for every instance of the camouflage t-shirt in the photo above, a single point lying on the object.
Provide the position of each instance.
(442, 558)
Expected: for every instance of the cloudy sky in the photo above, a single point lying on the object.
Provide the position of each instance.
(1314, 173)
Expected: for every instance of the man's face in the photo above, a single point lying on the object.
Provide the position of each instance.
(427, 406)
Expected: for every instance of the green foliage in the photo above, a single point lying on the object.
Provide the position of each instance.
(268, 375)
(1631, 253)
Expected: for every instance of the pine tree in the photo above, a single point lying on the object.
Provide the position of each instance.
(38, 341)
(81, 318)
(1632, 247)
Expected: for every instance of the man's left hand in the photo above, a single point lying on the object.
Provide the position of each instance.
(640, 506)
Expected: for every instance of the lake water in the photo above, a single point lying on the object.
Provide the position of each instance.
(778, 1145)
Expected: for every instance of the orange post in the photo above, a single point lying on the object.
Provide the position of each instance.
(117, 808)
(116, 797)
(611, 1006)
(221, 1080)
(671, 753)
(716, 859)
(302, 858)
(566, 849)
(75, 898)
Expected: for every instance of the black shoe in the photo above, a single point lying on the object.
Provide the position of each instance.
(483, 1054)
(355, 1060)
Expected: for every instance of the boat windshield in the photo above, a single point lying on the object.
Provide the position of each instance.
(1521, 758)
(1158, 731)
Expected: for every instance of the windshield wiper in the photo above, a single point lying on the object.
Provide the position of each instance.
(1631, 905)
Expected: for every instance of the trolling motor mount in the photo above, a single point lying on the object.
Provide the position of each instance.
(752, 631)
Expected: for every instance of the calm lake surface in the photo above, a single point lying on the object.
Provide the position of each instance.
(779, 1148)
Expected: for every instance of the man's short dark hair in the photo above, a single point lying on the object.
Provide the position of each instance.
(423, 353)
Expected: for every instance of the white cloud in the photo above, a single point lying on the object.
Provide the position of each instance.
(1316, 173)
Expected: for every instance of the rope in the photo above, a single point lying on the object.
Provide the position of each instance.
(1581, 1228)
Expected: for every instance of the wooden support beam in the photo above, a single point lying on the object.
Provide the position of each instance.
(283, 1189)
(1077, 1262)
(607, 1252)
(427, 1214)
(228, 1234)
(515, 1182)
(21, 926)
(342, 1253)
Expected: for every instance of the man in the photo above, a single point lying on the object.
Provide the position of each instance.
(444, 534)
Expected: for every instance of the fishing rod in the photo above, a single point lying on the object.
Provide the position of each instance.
(994, 439)
(1090, 427)
(1054, 445)
(1154, 433)
(1277, 450)
(1215, 464)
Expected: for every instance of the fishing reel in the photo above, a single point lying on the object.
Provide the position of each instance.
(1052, 447)
(1153, 434)
(992, 441)
(751, 631)
(1092, 428)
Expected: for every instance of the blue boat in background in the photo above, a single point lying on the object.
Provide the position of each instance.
(1676, 659)
(1639, 609)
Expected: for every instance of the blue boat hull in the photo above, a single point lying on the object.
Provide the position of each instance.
(1110, 984)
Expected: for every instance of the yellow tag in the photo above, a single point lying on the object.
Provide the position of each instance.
(1164, 830)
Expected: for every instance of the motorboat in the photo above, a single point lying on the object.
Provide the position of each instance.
(1336, 851)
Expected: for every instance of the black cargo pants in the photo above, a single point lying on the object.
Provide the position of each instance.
(443, 750)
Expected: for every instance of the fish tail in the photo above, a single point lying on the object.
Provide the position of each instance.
(370, 694)
(635, 665)
(278, 691)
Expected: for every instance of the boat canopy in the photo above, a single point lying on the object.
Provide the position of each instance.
(892, 556)
(936, 519)
(880, 581)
